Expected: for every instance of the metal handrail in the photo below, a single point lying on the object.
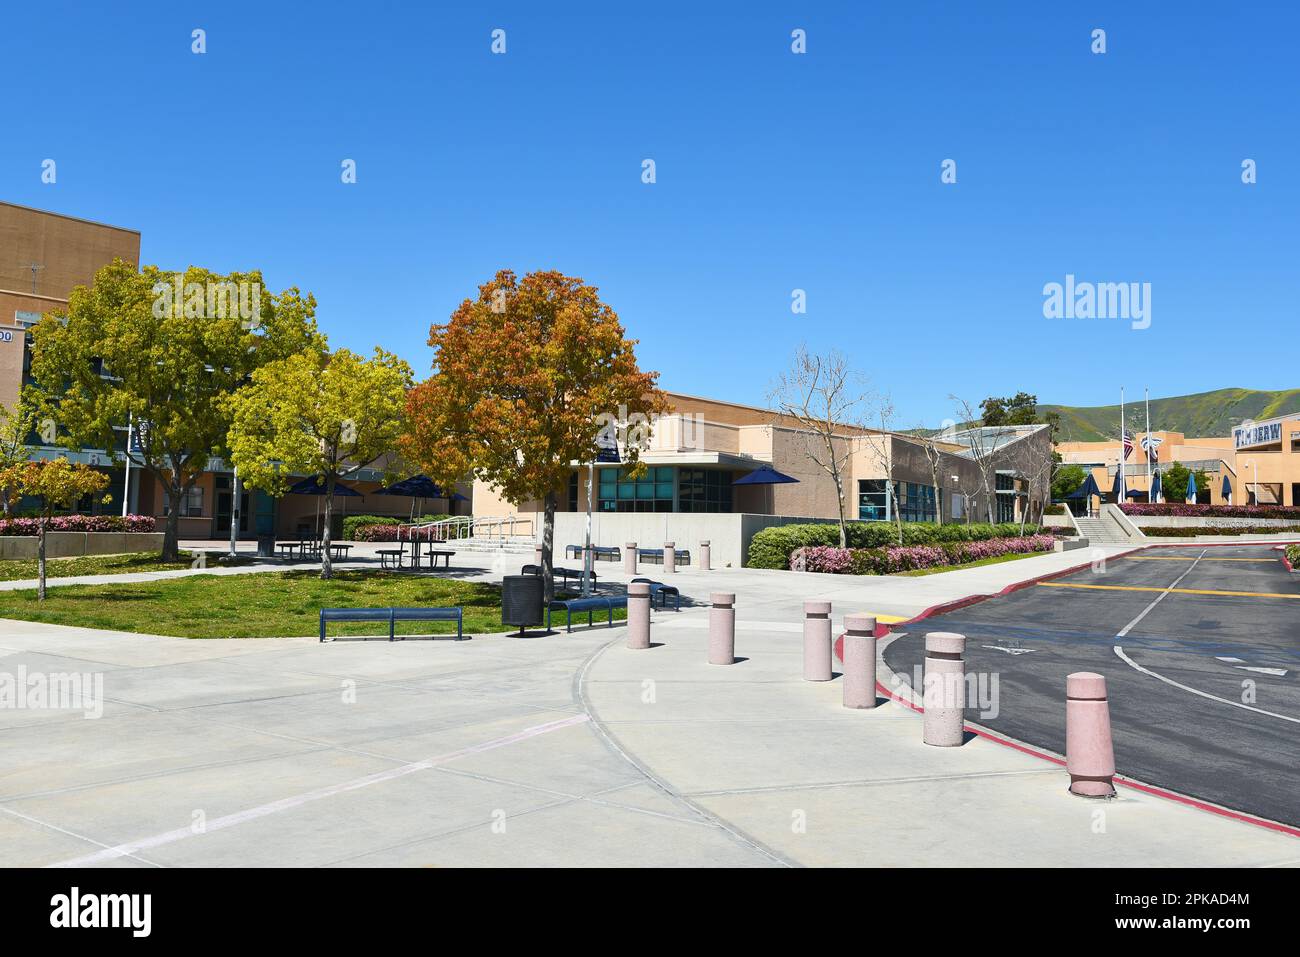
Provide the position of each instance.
(465, 526)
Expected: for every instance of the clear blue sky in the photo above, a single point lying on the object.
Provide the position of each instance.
(775, 172)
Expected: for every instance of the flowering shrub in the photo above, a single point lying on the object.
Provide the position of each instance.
(1210, 511)
(376, 533)
(772, 547)
(1293, 556)
(79, 523)
(1188, 531)
(887, 561)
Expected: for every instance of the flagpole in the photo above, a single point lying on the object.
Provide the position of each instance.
(1148, 451)
(1123, 435)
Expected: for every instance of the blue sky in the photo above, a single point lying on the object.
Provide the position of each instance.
(775, 171)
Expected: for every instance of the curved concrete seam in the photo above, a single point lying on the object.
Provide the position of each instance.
(579, 681)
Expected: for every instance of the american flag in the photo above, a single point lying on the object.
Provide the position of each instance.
(1128, 444)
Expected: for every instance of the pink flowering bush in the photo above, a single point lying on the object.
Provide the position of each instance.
(887, 561)
(79, 523)
(1182, 510)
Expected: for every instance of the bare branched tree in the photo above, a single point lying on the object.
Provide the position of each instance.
(830, 402)
(984, 453)
(878, 444)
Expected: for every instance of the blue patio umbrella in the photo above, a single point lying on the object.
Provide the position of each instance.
(1155, 486)
(315, 485)
(1227, 490)
(765, 475)
(1191, 486)
(1086, 491)
(420, 486)
(1134, 493)
(1117, 489)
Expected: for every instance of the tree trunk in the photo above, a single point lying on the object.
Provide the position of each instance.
(548, 550)
(839, 499)
(938, 501)
(326, 564)
(40, 561)
(171, 531)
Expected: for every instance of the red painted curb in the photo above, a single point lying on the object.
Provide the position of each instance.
(1119, 779)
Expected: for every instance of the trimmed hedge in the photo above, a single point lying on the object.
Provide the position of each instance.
(887, 561)
(1181, 510)
(79, 523)
(1293, 556)
(772, 547)
(1188, 531)
(353, 523)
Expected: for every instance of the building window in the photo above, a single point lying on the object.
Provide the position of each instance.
(873, 500)
(652, 491)
(191, 504)
(573, 492)
(704, 490)
(916, 502)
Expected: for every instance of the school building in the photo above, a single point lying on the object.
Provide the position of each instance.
(1260, 460)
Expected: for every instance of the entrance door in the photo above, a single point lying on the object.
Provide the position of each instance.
(223, 513)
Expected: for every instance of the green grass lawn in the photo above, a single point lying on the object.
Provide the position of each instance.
(264, 605)
(23, 568)
(998, 560)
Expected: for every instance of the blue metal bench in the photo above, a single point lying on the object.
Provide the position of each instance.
(392, 616)
(602, 552)
(564, 574)
(683, 556)
(589, 605)
(661, 591)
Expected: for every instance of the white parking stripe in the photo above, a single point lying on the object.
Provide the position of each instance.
(242, 817)
(1204, 694)
(1161, 597)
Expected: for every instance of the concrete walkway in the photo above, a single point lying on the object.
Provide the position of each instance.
(560, 750)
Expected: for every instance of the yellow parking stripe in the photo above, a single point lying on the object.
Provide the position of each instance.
(1179, 558)
(1172, 591)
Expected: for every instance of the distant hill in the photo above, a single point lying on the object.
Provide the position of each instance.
(1199, 415)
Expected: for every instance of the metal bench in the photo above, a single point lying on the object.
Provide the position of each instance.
(589, 605)
(603, 553)
(564, 574)
(392, 616)
(661, 591)
(683, 556)
(436, 553)
(394, 555)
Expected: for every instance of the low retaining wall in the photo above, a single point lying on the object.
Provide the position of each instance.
(1191, 521)
(77, 544)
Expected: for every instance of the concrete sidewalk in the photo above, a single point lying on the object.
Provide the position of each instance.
(550, 751)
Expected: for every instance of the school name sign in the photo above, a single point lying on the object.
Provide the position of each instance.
(1249, 435)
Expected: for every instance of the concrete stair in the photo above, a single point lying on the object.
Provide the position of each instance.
(1102, 531)
(516, 545)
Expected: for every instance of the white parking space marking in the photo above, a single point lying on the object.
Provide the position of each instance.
(1204, 694)
(1161, 597)
(298, 800)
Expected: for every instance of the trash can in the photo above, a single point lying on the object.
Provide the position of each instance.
(265, 546)
(521, 601)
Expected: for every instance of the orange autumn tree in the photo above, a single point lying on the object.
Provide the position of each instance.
(524, 377)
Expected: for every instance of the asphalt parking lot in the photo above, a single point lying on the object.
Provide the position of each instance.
(1201, 651)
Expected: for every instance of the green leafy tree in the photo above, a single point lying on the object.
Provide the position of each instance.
(16, 424)
(321, 414)
(1067, 479)
(1173, 482)
(56, 484)
(526, 378)
(1020, 409)
(127, 349)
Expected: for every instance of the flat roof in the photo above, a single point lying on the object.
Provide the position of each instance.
(75, 219)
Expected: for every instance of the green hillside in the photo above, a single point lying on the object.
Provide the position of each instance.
(1202, 414)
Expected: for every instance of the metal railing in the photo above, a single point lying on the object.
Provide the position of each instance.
(460, 527)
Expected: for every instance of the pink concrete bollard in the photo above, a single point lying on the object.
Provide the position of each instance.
(670, 557)
(537, 556)
(629, 557)
(722, 629)
(944, 696)
(1089, 754)
(638, 615)
(817, 641)
(705, 564)
(860, 661)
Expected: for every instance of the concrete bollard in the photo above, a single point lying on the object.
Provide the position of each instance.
(1089, 754)
(817, 641)
(860, 661)
(629, 557)
(537, 556)
(670, 557)
(704, 557)
(944, 696)
(638, 615)
(722, 629)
